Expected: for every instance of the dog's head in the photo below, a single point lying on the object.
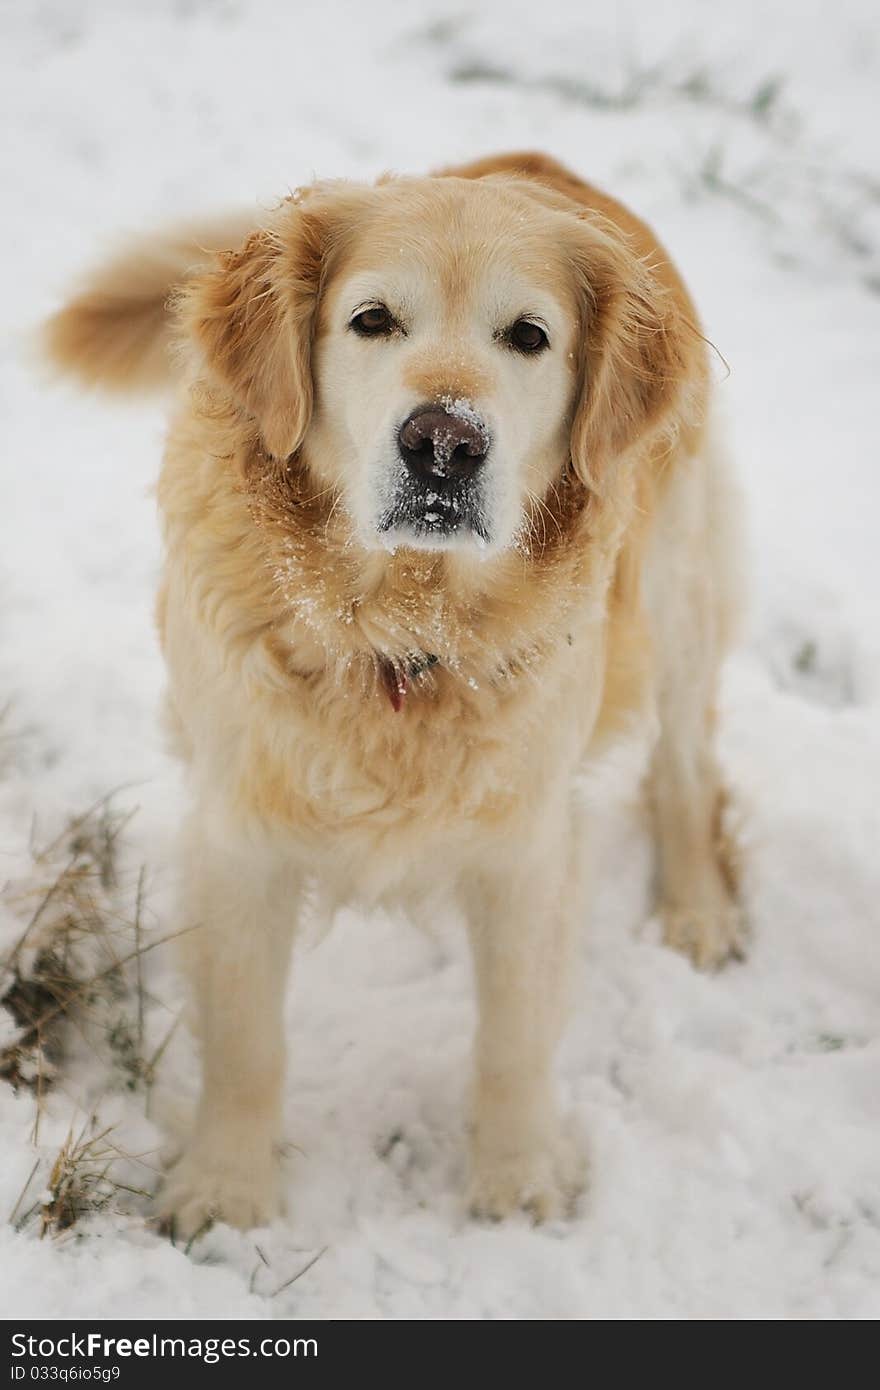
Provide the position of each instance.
(437, 352)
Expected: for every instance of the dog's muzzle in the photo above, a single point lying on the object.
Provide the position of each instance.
(443, 449)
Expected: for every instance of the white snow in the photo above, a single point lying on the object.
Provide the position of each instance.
(732, 1123)
(463, 409)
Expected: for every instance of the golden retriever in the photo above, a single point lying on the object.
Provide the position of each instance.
(443, 513)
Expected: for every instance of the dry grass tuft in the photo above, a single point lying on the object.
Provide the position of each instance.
(74, 973)
(68, 966)
(71, 951)
(81, 1181)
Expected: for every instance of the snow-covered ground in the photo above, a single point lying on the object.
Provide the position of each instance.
(732, 1123)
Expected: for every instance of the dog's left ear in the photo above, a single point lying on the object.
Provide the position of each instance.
(252, 322)
(638, 353)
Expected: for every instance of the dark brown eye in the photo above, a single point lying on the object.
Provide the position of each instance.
(373, 323)
(527, 337)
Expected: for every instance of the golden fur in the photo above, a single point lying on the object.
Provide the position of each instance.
(280, 626)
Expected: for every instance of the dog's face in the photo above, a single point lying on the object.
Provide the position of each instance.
(438, 351)
(444, 372)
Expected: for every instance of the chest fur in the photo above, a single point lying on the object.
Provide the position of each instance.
(277, 637)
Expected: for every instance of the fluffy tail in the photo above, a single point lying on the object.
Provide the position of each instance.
(116, 333)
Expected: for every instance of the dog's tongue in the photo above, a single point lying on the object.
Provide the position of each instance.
(395, 682)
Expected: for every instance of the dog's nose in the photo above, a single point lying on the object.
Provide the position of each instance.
(436, 443)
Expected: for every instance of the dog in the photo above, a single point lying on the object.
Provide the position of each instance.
(445, 513)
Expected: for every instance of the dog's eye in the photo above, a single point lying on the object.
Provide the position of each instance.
(375, 322)
(527, 337)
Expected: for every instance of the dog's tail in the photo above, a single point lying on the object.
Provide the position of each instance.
(117, 331)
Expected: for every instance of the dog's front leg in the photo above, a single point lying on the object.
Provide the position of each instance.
(523, 911)
(239, 911)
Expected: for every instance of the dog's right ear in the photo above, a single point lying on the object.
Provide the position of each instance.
(251, 320)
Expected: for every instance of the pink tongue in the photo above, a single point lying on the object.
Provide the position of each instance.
(394, 681)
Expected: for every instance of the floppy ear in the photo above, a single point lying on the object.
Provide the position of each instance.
(638, 354)
(252, 320)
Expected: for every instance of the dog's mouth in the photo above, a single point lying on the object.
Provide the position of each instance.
(437, 516)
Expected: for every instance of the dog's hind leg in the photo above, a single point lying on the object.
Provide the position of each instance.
(239, 913)
(692, 600)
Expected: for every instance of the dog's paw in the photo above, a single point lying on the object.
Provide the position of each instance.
(710, 936)
(201, 1189)
(544, 1183)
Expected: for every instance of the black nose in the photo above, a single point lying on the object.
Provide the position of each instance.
(437, 444)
